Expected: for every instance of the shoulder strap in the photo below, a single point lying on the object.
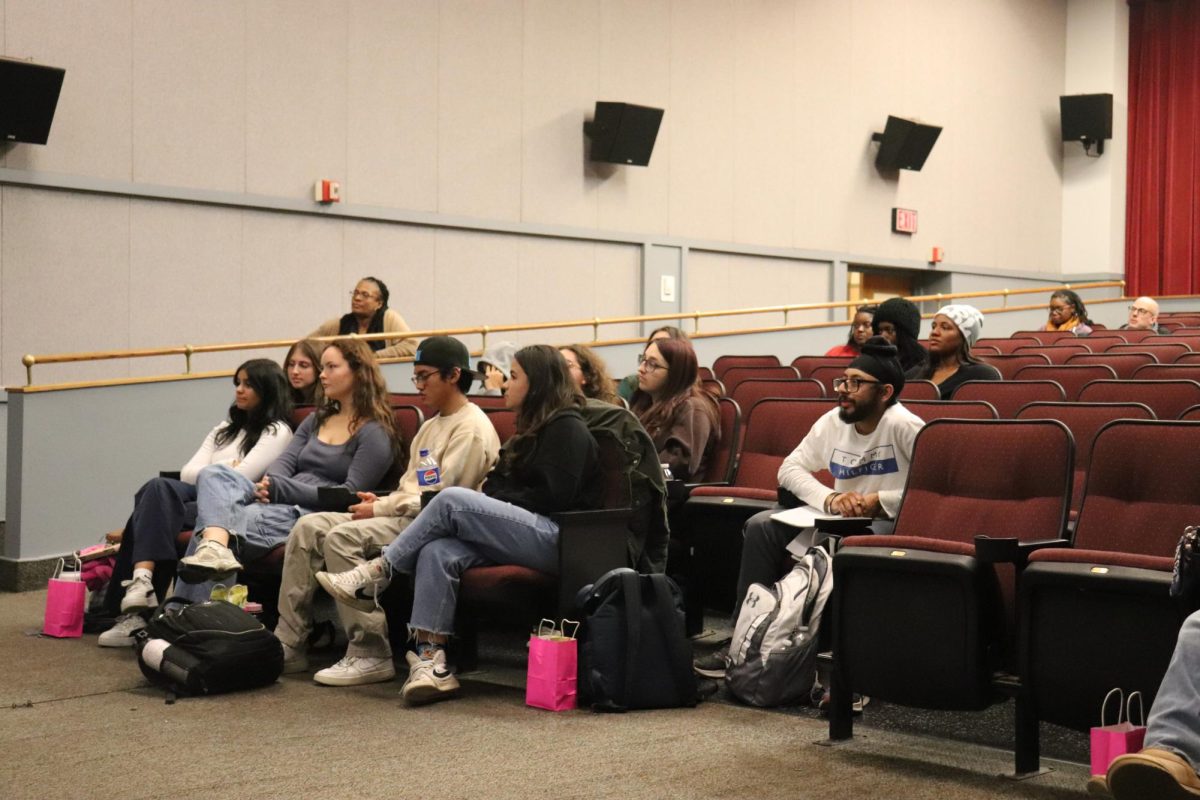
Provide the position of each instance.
(631, 595)
(816, 576)
(681, 662)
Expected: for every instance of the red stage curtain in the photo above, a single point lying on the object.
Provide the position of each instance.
(1162, 226)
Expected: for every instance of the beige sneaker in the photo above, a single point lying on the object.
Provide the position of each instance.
(356, 671)
(429, 679)
(210, 560)
(1152, 773)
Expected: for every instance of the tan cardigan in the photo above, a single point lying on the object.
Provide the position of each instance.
(392, 323)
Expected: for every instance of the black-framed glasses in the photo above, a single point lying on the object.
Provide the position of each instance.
(849, 385)
(650, 366)
(419, 378)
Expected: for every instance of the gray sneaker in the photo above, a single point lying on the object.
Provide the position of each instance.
(139, 595)
(293, 660)
(123, 632)
(359, 587)
(429, 679)
(355, 671)
(712, 665)
(210, 560)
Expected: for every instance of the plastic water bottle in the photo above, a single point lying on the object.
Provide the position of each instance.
(429, 477)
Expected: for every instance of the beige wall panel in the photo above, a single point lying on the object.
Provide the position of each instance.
(403, 257)
(764, 147)
(91, 133)
(561, 53)
(185, 282)
(295, 95)
(617, 290)
(476, 281)
(64, 293)
(635, 67)
(556, 282)
(702, 126)
(392, 104)
(719, 281)
(479, 109)
(189, 100)
(292, 278)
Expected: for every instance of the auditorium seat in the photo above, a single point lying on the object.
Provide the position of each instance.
(1167, 372)
(1008, 396)
(732, 376)
(920, 390)
(1123, 365)
(1007, 365)
(1100, 342)
(1163, 353)
(929, 410)
(725, 363)
(713, 386)
(826, 375)
(1010, 344)
(1071, 377)
(1045, 337)
(1056, 353)
(806, 364)
(1130, 335)
(750, 392)
(504, 420)
(1167, 399)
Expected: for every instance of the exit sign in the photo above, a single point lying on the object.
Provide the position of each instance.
(904, 220)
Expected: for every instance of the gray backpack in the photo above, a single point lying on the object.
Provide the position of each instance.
(772, 658)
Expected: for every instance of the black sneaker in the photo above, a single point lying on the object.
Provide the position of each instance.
(712, 665)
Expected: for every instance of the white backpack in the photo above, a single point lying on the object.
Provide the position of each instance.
(772, 658)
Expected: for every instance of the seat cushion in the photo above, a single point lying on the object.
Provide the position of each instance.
(742, 492)
(1102, 557)
(909, 543)
(508, 585)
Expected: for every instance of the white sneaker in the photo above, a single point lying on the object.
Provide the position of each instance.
(210, 560)
(358, 587)
(354, 671)
(139, 595)
(429, 679)
(122, 633)
(293, 660)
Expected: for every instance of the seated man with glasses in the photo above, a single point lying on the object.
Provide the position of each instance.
(464, 442)
(369, 313)
(866, 442)
(1143, 316)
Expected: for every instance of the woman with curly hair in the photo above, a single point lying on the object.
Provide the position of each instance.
(679, 415)
(590, 373)
(350, 442)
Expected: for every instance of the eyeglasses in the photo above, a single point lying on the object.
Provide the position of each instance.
(1060, 309)
(419, 378)
(360, 295)
(648, 365)
(1140, 312)
(849, 385)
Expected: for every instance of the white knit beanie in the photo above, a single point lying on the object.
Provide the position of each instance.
(968, 319)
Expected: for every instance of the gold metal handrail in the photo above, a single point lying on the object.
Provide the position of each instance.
(188, 350)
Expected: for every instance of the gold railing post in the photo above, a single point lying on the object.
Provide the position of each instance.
(483, 332)
(595, 329)
(785, 316)
(696, 322)
(29, 360)
(187, 359)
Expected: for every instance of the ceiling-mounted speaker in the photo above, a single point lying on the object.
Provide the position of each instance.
(623, 133)
(904, 144)
(1086, 118)
(28, 97)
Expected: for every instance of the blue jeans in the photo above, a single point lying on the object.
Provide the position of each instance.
(1174, 722)
(460, 529)
(225, 499)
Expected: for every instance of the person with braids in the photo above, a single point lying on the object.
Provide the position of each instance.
(550, 465)
(254, 435)
(369, 313)
(680, 417)
(350, 442)
(1068, 313)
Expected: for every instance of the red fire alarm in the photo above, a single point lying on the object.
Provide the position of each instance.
(327, 192)
(936, 256)
(904, 220)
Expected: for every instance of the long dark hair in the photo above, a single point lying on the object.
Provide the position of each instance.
(1075, 301)
(370, 398)
(597, 383)
(349, 323)
(681, 385)
(670, 330)
(267, 380)
(551, 388)
(311, 394)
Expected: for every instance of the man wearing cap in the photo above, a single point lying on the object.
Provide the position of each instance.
(1143, 316)
(466, 447)
(866, 443)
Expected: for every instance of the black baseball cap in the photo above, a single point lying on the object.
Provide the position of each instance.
(443, 352)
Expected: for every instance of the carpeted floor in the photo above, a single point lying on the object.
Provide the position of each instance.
(78, 721)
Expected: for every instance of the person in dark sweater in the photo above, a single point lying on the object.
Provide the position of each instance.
(899, 321)
(549, 466)
(680, 417)
(955, 330)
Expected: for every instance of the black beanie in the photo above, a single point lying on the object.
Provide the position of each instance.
(901, 313)
(878, 359)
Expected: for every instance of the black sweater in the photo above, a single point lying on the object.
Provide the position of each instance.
(559, 473)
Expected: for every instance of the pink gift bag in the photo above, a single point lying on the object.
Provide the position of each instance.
(64, 603)
(1110, 741)
(553, 666)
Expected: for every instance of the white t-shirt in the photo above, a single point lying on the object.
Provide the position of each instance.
(271, 444)
(877, 462)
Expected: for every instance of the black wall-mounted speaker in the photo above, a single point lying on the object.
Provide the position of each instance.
(28, 97)
(1086, 117)
(623, 133)
(905, 144)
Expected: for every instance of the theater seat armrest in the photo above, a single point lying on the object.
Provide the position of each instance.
(173, 475)
(1011, 550)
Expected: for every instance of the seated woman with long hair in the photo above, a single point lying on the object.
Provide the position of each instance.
(629, 384)
(350, 442)
(254, 435)
(954, 331)
(860, 331)
(302, 364)
(590, 373)
(549, 466)
(679, 415)
(1068, 313)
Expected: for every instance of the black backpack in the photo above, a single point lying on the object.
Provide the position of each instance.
(207, 648)
(634, 652)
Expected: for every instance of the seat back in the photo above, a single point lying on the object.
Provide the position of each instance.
(724, 456)
(1164, 353)
(1167, 372)
(750, 392)
(1192, 340)
(1167, 399)
(704, 373)
(504, 420)
(929, 410)
(1130, 335)
(1010, 344)
(826, 375)
(1007, 365)
(1102, 342)
(414, 399)
(1008, 396)
(1192, 413)
(1123, 364)
(773, 430)
(298, 415)
(1188, 358)
(1021, 488)
(735, 375)
(1057, 353)
(1045, 337)
(1071, 377)
(806, 364)
(725, 363)
(1143, 487)
(713, 386)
